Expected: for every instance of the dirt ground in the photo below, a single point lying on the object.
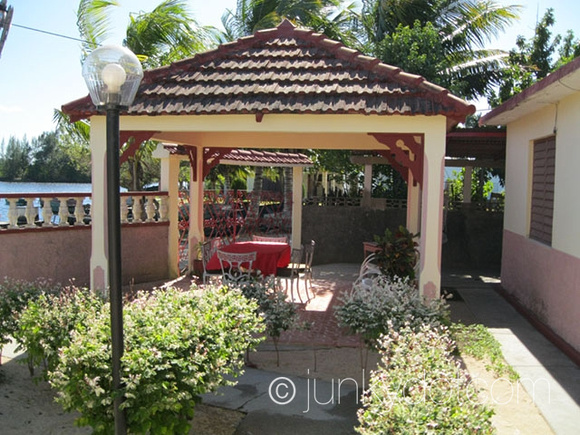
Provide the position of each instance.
(28, 408)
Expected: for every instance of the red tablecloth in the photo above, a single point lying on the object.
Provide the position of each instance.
(270, 256)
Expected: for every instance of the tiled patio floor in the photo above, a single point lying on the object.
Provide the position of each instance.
(328, 282)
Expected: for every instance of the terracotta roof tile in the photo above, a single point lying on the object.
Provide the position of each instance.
(254, 157)
(284, 70)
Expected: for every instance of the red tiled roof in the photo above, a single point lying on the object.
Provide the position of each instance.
(253, 157)
(284, 70)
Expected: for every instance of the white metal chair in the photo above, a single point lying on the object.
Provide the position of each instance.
(368, 272)
(272, 239)
(236, 267)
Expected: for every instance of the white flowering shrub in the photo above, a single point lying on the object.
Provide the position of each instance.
(419, 388)
(376, 305)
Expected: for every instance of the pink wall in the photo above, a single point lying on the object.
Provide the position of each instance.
(545, 281)
(64, 253)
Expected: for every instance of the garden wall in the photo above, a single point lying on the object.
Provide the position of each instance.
(474, 237)
(62, 253)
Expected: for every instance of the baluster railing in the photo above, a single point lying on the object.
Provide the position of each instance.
(31, 210)
(124, 210)
(13, 213)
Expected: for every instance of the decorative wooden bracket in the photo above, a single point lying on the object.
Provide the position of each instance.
(399, 157)
(139, 137)
(211, 158)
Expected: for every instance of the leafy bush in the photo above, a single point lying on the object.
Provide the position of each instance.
(374, 307)
(278, 313)
(420, 389)
(178, 345)
(397, 254)
(14, 296)
(46, 323)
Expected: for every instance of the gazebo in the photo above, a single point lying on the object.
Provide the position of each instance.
(291, 88)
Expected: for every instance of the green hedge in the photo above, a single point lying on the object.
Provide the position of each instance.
(419, 388)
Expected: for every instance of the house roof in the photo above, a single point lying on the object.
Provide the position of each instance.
(560, 84)
(285, 70)
(253, 157)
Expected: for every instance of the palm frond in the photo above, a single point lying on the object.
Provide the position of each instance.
(93, 22)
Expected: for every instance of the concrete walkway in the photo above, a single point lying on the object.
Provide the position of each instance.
(551, 379)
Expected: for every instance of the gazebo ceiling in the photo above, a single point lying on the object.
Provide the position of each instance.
(285, 70)
(480, 147)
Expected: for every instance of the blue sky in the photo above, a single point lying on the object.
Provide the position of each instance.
(39, 72)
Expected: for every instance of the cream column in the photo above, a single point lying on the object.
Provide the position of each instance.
(99, 263)
(413, 205)
(196, 208)
(432, 211)
(297, 174)
(169, 182)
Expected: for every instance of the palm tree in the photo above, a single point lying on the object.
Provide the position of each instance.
(331, 17)
(164, 35)
(463, 26)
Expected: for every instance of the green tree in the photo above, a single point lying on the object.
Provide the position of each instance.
(166, 34)
(463, 27)
(14, 159)
(533, 60)
(253, 15)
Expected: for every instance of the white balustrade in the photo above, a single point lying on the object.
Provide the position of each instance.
(13, 213)
(124, 210)
(46, 211)
(39, 213)
(150, 209)
(79, 211)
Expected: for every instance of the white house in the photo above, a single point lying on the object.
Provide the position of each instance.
(541, 239)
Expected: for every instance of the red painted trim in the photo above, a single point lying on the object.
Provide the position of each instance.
(45, 228)
(215, 155)
(478, 134)
(544, 329)
(75, 227)
(139, 136)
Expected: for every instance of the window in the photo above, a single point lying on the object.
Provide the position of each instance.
(543, 190)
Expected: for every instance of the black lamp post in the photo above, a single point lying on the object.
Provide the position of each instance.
(113, 75)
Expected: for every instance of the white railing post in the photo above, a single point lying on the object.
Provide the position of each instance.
(13, 213)
(125, 209)
(30, 213)
(46, 211)
(150, 209)
(79, 211)
(63, 211)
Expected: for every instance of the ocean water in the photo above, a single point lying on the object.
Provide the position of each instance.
(17, 187)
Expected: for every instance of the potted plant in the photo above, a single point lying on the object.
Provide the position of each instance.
(397, 254)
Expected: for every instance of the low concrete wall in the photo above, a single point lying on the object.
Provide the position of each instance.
(339, 232)
(474, 242)
(474, 237)
(63, 253)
